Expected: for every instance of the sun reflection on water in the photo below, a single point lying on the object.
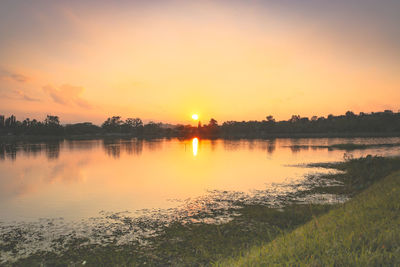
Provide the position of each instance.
(195, 143)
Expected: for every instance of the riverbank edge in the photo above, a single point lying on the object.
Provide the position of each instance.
(18, 138)
(362, 231)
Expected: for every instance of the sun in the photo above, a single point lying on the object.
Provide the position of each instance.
(195, 117)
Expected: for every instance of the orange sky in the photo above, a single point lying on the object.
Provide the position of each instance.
(230, 60)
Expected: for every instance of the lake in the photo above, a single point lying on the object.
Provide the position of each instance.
(81, 179)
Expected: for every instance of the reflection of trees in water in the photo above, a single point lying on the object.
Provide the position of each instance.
(232, 145)
(213, 144)
(251, 144)
(153, 145)
(32, 149)
(133, 147)
(52, 150)
(114, 147)
(268, 145)
(298, 144)
(295, 149)
(12, 150)
(298, 148)
(8, 151)
(82, 144)
(271, 146)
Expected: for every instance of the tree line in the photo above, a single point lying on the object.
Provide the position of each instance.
(386, 122)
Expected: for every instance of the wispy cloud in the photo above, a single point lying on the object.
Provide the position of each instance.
(67, 95)
(24, 96)
(18, 95)
(17, 77)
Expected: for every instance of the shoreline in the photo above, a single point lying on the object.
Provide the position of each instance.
(16, 138)
(361, 232)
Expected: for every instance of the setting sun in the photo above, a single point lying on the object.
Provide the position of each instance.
(150, 132)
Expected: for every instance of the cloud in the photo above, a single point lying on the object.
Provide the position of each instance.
(67, 95)
(17, 95)
(23, 96)
(16, 77)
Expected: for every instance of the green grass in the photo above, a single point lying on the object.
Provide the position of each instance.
(362, 232)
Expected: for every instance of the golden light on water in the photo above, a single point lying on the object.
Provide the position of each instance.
(195, 117)
(195, 143)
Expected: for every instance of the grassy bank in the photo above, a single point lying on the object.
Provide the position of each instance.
(295, 232)
(362, 232)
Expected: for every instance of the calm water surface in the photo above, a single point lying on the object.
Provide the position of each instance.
(79, 179)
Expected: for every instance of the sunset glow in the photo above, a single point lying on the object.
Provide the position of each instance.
(176, 133)
(138, 59)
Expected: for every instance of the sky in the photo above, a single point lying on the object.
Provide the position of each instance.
(166, 60)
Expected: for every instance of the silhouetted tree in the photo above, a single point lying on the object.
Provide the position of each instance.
(10, 121)
(295, 118)
(52, 120)
(133, 126)
(82, 128)
(213, 123)
(270, 118)
(153, 129)
(211, 129)
(134, 123)
(2, 121)
(112, 124)
(386, 122)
